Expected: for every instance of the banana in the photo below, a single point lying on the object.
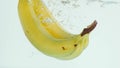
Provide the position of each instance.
(48, 21)
(41, 38)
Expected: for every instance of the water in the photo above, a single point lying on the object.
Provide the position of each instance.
(102, 51)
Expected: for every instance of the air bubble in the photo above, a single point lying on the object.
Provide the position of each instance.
(48, 20)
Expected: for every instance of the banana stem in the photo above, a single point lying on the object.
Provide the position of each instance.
(89, 28)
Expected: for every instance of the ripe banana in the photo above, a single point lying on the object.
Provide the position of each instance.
(42, 38)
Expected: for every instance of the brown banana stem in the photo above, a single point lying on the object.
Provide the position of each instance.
(89, 28)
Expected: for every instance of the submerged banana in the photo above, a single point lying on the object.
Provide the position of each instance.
(46, 41)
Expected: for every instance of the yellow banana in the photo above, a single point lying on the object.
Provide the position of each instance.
(41, 38)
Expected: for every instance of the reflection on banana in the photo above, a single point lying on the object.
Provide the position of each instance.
(47, 35)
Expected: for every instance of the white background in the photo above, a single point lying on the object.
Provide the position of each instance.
(104, 47)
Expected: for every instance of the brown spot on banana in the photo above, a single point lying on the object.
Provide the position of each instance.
(75, 45)
(63, 48)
